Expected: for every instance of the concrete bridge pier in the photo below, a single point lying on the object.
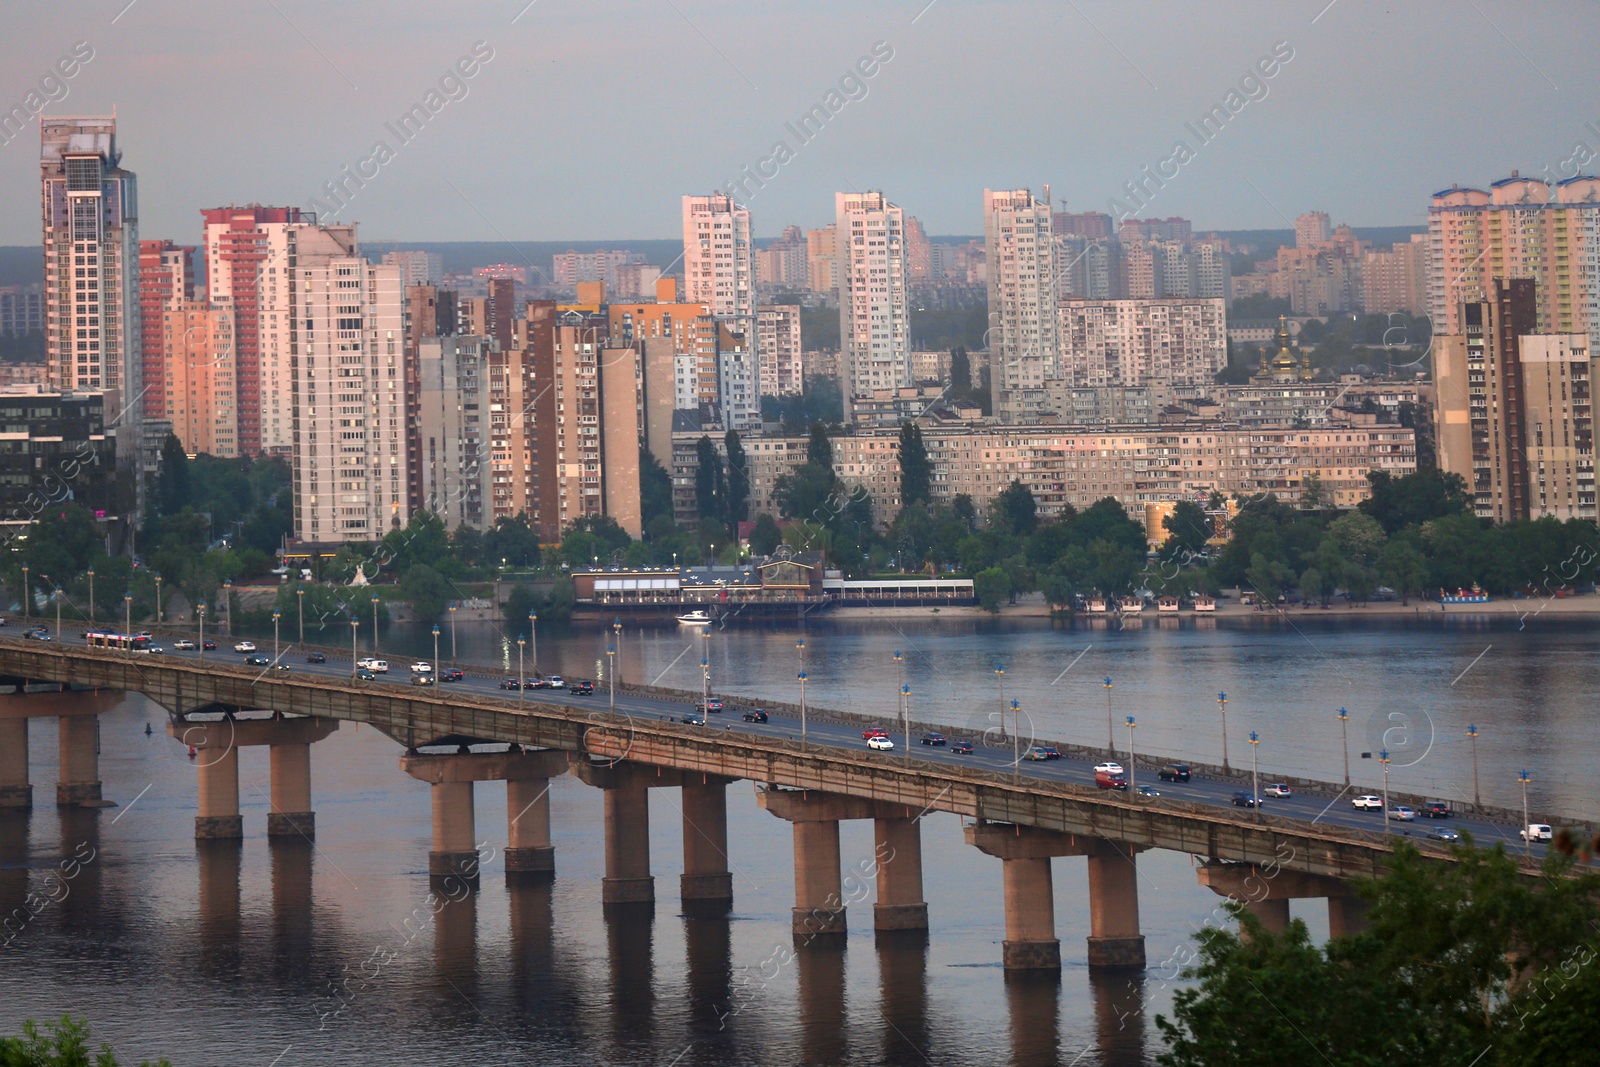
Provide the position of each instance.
(706, 885)
(291, 812)
(217, 743)
(528, 848)
(1114, 937)
(80, 761)
(16, 791)
(218, 772)
(897, 849)
(1267, 892)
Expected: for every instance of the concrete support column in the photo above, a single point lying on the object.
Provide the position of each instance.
(898, 850)
(1114, 939)
(706, 884)
(218, 771)
(1347, 916)
(15, 789)
(291, 813)
(455, 843)
(627, 810)
(1031, 942)
(528, 848)
(1273, 913)
(818, 905)
(79, 782)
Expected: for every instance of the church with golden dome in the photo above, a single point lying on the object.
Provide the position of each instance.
(1285, 366)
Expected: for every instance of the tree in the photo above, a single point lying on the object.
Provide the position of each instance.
(655, 489)
(1313, 495)
(66, 1045)
(172, 484)
(710, 483)
(819, 449)
(513, 540)
(1190, 528)
(422, 540)
(1416, 498)
(1268, 577)
(991, 586)
(1016, 509)
(426, 590)
(737, 501)
(915, 471)
(1404, 569)
(766, 536)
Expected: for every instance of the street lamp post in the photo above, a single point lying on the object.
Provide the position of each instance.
(616, 628)
(1111, 740)
(355, 624)
(91, 596)
(1222, 703)
(58, 613)
(1472, 732)
(905, 705)
(435, 663)
(1344, 740)
(27, 592)
(533, 632)
(1255, 779)
(705, 675)
(1527, 839)
(1016, 738)
(611, 673)
(300, 610)
(452, 635)
(522, 682)
(227, 604)
(158, 600)
(1133, 789)
(127, 606)
(200, 613)
(802, 680)
(374, 624)
(1000, 680)
(899, 681)
(275, 616)
(1383, 758)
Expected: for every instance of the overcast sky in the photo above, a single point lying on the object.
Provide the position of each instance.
(591, 119)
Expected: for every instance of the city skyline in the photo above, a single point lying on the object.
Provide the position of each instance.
(1318, 131)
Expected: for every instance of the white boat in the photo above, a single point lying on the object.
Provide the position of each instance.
(695, 618)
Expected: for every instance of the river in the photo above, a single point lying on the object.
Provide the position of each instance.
(229, 955)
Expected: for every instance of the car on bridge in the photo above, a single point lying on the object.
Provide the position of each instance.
(582, 689)
(151, 650)
(880, 743)
(1108, 780)
(257, 661)
(535, 683)
(282, 667)
(512, 683)
(208, 646)
(962, 748)
(755, 715)
(1110, 766)
(1442, 833)
(1245, 800)
(422, 667)
(873, 731)
(1278, 789)
(183, 644)
(1174, 772)
(556, 682)
(1035, 754)
(424, 679)
(713, 705)
(693, 720)
(365, 675)
(1367, 802)
(1536, 831)
(1436, 809)
(1050, 751)
(38, 633)
(1148, 791)
(935, 739)
(376, 666)
(244, 646)
(1401, 813)
(453, 674)
(316, 657)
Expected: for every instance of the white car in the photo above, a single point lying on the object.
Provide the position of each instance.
(376, 666)
(1367, 802)
(183, 644)
(557, 682)
(1536, 831)
(421, 668)
(1109, 768)
(880, 744)
(1401, 813)
(1278, 789)
(245, 646)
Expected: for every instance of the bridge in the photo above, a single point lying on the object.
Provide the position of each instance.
(1022, 815)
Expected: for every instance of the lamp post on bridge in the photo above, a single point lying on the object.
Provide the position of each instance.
(1344, 741)
(900, 682)
(802, 680)
(452, 635)
(374, 625)
(355, 654)
(1016, 738)
(1222, 703)
(200, 613)
(611, 673)
(1383, 758)
(1111, 740)
(91, 597)
(158, 598)
(905, 704)
(127, 605)
(1000, 680)
(1472, 732)
(1133, 789)
(435, 653)
(533, 638)
(1527, 838)
(58, 612)
(1255, 779)
(27, 592)
(275, 617)
(616, 629)
(300, 609)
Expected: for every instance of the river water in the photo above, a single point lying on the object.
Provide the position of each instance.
(229, 955)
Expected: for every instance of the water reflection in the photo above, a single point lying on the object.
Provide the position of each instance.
(455, 946)
(1034, 1001)
(14, 826)
(292, 929)
(630, 948)
(903, 993)
(219, 862)
(820, 968)
(1119, 1016)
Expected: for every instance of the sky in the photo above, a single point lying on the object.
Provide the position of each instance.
(589, 120)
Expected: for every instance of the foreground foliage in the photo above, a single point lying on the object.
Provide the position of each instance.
(65, 1045)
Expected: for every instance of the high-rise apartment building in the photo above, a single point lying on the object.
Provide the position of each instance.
(1396, 280)
(822, 259)
(570, 268)
(1095, 225)
(1515, 411)
(346, 341)
(1023, 353)
(1520, 228)
(21, 310)
(1311, 229)
(198, 383)
(1168, 229)
(416, 267)
(249, 253)
(919, 253)
(166, 279)
(452, 428)
(91, 268)
(719, 258)
(1172, 341)
(778, 349)
(874, 321)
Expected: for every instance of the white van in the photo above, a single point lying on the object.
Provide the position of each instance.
(376, 666)
(1537, 831)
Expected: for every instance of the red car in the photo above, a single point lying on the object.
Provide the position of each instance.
(873, 731)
